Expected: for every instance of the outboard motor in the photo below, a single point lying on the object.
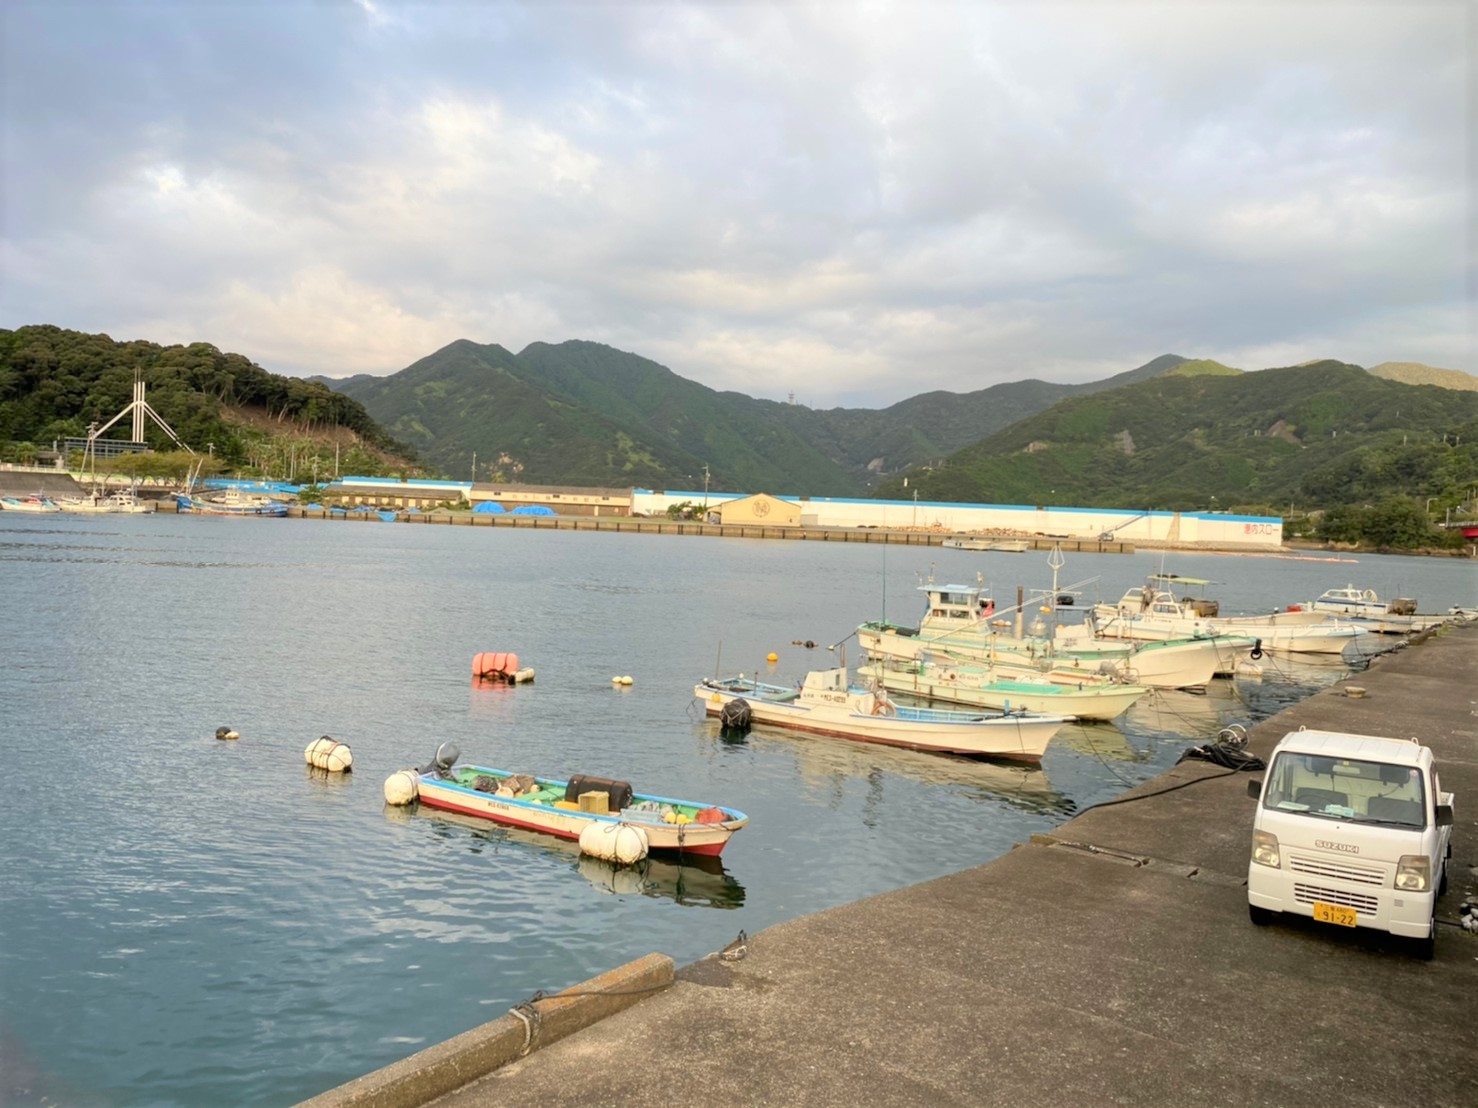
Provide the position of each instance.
(446, 756)
(735, 715)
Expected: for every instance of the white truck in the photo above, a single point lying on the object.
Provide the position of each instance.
(1352, 830)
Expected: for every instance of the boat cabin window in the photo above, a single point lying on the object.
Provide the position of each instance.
(1346, 788)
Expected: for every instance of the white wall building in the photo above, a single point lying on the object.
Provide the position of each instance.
(1122, 525)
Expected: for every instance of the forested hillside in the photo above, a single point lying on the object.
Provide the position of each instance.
(581, 413)
(1315, 435)
(54, 383)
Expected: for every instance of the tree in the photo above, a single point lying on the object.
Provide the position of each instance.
(1399, 521)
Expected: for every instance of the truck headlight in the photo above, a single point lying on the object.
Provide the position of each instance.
(1265, 850)
(1414, 873)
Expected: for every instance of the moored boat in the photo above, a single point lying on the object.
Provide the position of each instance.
(957, 620)
(1152, 613)
(1365, 607)
(230, 503)
(981, 686)
(32, 503)
(826, 703)
(556, 807)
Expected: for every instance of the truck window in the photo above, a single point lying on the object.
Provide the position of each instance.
(1347, 789)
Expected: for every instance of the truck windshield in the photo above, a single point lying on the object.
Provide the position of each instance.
(1347, 789)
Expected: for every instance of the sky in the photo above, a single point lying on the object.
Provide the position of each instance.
(847, 204)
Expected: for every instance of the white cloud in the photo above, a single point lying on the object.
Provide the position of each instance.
(871, 200)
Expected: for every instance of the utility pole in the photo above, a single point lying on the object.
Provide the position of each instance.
(705, 489)
(474, 466)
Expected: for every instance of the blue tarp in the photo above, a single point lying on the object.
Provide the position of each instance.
(490, 507)
(532, 510)
(386, 516)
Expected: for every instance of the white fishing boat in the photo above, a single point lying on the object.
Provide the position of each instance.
(1154, 613)
(99, 503)
(1393, 617)
(960, 620)
(826, 703)
(1009, 546)
(983, 686)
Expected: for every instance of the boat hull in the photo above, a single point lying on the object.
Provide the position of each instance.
(193, 506)
(1012, 738)
(687, 838)
(977, 688)
(1321, 638)
(15, 504)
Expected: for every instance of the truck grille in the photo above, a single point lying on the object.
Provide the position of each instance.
(1335, 870)
(1308, 894)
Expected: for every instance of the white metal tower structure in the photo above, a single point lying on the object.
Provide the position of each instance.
(139, 408)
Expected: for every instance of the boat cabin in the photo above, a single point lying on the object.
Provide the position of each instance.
(965, 603)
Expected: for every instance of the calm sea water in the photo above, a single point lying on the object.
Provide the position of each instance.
(188, 921)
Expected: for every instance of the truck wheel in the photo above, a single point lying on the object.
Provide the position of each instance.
(1260, 916)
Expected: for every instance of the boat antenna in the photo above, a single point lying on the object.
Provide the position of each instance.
(885, 584)
(718, 660)
(1056, 561)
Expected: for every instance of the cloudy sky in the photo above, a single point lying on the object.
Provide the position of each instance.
(851, 203)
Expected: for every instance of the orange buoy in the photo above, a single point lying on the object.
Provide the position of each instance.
(494, 666)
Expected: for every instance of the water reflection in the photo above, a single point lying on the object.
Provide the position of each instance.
(696, 881)
(1185, 713)
(324, 780)
(828, 762)
(1098, 740)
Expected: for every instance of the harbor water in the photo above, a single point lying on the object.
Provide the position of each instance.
(191, 921)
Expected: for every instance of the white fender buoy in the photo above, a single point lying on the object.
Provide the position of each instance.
(626, 680)
(614, 842)
(402, 787)
(227, 733)
(330, 754)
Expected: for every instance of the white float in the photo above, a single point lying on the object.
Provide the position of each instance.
(402, 787)
(328, 753)
(614, 842)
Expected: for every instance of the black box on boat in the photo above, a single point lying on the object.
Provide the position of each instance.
(619, 791)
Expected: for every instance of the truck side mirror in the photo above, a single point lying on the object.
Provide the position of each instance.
(1254, 789)
(1444, 815)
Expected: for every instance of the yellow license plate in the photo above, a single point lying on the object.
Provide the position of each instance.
(1336, 914)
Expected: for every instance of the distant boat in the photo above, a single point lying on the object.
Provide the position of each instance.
(32, 503)
(826, 704)
(98, 504)
(1011, 546)
(232, 502)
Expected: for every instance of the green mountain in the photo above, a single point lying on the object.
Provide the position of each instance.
(54, 382)
(581, 413)
(1319, 434)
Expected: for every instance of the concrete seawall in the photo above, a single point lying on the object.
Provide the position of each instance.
(1109, 962)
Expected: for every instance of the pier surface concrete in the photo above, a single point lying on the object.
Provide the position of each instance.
(1112, 962)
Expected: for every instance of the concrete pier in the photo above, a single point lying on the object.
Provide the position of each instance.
(1111, 962)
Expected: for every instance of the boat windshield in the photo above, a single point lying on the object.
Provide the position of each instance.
(1346, 789)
